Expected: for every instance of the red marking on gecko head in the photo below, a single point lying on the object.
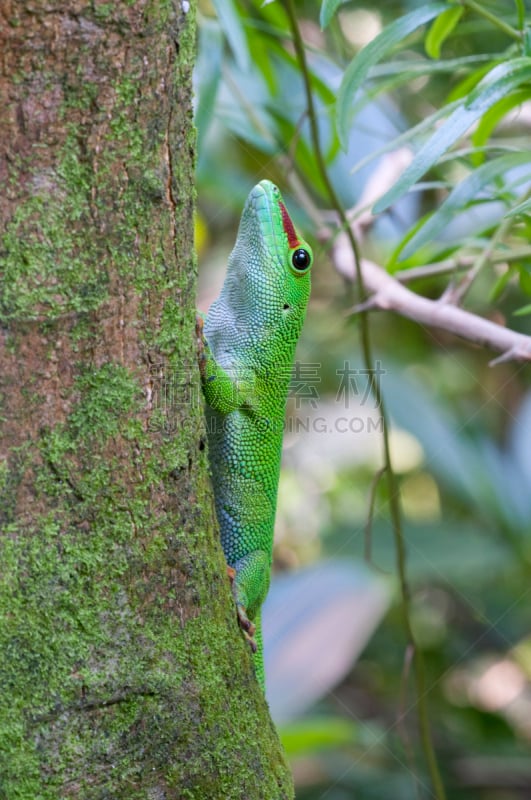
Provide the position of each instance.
(287, 224)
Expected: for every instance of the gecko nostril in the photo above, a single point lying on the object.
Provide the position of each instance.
(286, 306)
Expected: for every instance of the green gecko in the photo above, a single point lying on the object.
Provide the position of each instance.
(247, 345)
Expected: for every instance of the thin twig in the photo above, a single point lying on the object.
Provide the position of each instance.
(452, 265)
(402, 728)
(457, 293)
(370, 514)
(388, 294)
(284, 161)
(494, 19)
(394, 507)
(457, 264)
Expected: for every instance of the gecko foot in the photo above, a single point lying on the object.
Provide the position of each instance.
(248, 627)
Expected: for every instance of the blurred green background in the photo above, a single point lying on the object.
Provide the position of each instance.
(338, 664)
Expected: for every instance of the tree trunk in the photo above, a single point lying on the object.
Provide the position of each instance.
(122, 671)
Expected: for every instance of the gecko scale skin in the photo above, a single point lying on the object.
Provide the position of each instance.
(247, 350)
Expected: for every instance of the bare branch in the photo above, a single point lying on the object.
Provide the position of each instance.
(450, 266)
(387, 293)
(458, 264)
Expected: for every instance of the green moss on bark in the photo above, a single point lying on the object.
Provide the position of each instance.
(123, 671)
(49, 267)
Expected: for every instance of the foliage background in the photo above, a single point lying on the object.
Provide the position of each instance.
(460, 428)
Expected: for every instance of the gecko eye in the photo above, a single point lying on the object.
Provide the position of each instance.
(301, 259)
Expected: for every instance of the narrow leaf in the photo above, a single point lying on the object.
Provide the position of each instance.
(491, 119)
(521, 208)
(404, 138)
(401, 72)
(328, 9)
(522, 311)
(441, 30)
(313, 735)
(503, 79)
(262, 61)
(393, 263)
(501, 283)
(520, 8)
(208, 73)
(464, 193)
(524, 279)
(465, 86)
(230, 21)
(373, 52)
(424, 66)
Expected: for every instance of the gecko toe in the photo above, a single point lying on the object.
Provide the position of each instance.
(245, 623)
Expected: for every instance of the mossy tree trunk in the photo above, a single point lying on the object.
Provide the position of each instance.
(122, 672)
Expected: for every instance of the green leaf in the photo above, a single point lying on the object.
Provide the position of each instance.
(497, 84)
(520, 10)
(302, 153)
(319, 86)
(395, 73)
(465, 550)
(396, 256)
(230, 21)
(524, 278)
(328, 9)
(260, 47)
(521, 208)
(313, 735)
(373, 52)
(407, 136)
(424, 66)
(441, 30)
(258, 138)
(521, 312)
(208, 73)
(501, 283)
(464, 193)
(465, 86)
(491, 119)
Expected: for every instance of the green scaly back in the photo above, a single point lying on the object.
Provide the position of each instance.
(250, 335)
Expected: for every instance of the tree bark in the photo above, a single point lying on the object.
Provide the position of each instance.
(122, 671)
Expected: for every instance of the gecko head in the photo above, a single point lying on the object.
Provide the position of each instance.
(287, 254)
(269, 268)
(262, 305)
